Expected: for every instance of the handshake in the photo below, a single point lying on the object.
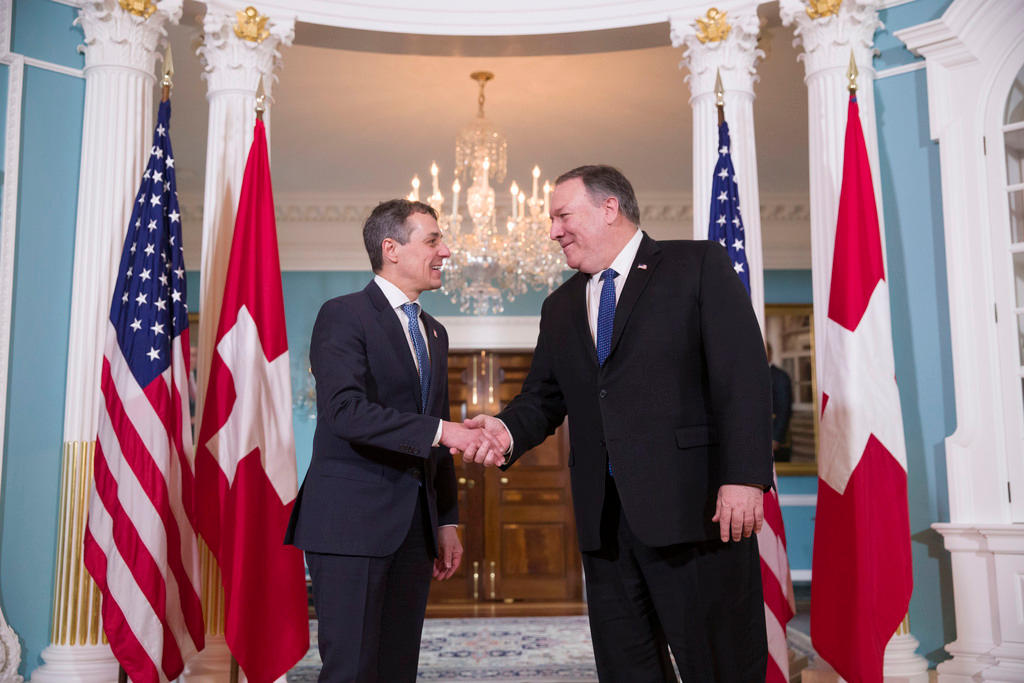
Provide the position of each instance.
(482, 439)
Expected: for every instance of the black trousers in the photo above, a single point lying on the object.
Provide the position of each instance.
(703, 600)
(370, 609)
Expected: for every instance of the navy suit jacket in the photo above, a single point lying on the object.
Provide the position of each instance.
(681, 406)
(372, 447)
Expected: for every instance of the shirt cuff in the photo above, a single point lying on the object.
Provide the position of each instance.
(441, 526)
(511, 441)
(437, 435)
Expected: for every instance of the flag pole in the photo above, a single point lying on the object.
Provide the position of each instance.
(165, 82)
(261, 106)
(719, 96)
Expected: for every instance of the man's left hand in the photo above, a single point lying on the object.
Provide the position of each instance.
(739, 511)
(449, 555)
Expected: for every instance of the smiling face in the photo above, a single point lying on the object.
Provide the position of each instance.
(583, 228)
(415, 266)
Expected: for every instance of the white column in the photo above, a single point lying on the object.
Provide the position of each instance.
(121, 52)
(828, 42)
(232, 67)
(735, 57)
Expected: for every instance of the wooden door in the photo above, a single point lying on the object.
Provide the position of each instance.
(517, 527)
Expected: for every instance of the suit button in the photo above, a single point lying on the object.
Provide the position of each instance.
(603, 393)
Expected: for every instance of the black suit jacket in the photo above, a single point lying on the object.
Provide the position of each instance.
(782, 403)
(681, 406)
(372, 448)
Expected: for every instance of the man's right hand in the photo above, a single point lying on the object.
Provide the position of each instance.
(499, 435)
(475, 444)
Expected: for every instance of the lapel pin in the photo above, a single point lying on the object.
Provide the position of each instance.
(641, 266)
(435, 334)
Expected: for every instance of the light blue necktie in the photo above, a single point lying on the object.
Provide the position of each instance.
(606, 316)
(412, 311)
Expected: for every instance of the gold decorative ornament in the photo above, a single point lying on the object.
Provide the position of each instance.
(819, 9)
(851, 74)
(714, 28)
(251, 25)
(140, 8)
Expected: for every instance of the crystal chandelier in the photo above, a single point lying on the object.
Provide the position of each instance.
(492, 260)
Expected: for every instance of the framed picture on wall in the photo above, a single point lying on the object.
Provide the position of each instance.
(789, 330)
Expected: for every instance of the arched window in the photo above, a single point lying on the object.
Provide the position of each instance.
(1012, 328)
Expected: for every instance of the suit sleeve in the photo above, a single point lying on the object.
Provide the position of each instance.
(539, 408)
(444, 483)
(337, 356)
(738, 376)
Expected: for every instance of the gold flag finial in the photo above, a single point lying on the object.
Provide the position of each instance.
(261, 99)
(719, 89)
(714, 28)
(819, 9)
(168, 68)
(140, 8)
(852, 73)
(251, 25)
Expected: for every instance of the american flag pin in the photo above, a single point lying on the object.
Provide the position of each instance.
(642, 266)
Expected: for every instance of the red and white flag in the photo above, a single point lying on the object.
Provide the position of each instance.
(245, 460)
(140, 541)
(862, 572)
(777, 586)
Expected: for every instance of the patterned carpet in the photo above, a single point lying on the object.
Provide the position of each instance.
(536, 649)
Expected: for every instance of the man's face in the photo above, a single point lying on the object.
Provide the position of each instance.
(421, 257)
(579, 226)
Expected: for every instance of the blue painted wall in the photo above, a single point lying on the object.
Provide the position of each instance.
(911, 194)
(47, 197)
(50, 148)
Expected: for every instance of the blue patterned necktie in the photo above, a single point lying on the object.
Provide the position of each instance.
(606, 316)
(412, 312)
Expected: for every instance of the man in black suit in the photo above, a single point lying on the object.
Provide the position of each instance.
(654, 353)
(782, 409)
(377, 511)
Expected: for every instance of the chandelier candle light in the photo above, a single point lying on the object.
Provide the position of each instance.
(491, 264)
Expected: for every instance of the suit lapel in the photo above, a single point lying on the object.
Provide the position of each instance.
(388, 321)
(436, 364)
(578, 308)
(648, 255)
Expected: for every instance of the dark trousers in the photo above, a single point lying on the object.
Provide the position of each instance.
(370, 609)
(703, 600)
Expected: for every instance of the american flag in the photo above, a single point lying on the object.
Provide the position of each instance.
(726, 227)
(140, 541)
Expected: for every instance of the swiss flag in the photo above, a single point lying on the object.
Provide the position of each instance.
(245, 463)
(861, 567)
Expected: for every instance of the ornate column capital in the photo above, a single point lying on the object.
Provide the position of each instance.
(117, 37)
(232, 63)
(828, 29)
(719, 40)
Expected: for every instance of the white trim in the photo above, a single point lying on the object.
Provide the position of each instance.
(898, 70)
(803, 575)
(504, 333)
(10, 656)
(885, 4)
(50, 66)
(70, 3)
(6, 18)
(798, 500)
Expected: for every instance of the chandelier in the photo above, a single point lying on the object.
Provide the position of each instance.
(492, 260)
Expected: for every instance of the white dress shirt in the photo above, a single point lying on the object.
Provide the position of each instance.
(396, 299)
(621, 265)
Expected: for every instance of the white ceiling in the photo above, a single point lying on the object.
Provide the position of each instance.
(358, 112)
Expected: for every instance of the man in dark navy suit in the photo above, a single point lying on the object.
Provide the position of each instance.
(782, 410)
(653, 351)
(377, 511)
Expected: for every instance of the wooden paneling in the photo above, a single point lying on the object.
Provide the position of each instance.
(517, 527)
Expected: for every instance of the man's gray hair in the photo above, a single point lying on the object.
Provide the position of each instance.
(602, 182)
(388, 220)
